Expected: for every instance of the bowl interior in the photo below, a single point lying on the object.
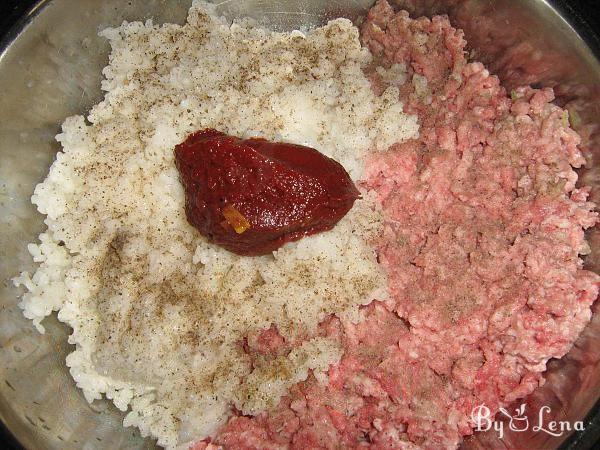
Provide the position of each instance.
(51, 69)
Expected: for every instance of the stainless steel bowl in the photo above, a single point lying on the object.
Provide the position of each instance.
(50, 68)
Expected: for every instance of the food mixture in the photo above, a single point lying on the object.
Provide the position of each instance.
(452, 280)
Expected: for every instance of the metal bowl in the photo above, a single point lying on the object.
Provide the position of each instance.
(50, 68)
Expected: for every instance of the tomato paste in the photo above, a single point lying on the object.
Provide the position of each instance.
(252, 196)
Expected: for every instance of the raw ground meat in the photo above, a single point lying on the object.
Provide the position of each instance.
(483, 231)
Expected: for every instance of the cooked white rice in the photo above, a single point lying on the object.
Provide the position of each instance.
(158, 312)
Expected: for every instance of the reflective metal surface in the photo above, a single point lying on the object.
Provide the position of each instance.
(51, 69)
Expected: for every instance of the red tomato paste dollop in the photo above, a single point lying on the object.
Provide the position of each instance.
(252, 196)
